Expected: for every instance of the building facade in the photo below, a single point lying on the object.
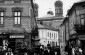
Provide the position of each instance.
(47, 36)
(16, 24)
(52, 21)
(76, 30)
(64, 37)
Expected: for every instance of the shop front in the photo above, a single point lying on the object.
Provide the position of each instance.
(76, 43)
(72, 40)
(81, 43)
(16, 42)
(4, 41)
(13, 42)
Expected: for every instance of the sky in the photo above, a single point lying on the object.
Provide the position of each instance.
(46, 5)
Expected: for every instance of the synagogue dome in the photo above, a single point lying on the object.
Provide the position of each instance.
(50, 12)
(58, 3)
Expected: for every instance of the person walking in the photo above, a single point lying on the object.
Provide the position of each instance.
(77, 51)
(52, 52)
(73, 51)
(80, 51)
(46, 52)
(9, 52)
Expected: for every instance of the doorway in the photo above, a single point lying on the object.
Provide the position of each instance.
(12, 44)
(83, 46)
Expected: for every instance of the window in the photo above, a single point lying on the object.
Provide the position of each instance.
(48, 34)
(56, 43)
(82, 21)
(54, 35)
(82, 18)
(17, 17)
(48, 42)
(1, 18)
(30, 12)
(58, 10)
(77, 12)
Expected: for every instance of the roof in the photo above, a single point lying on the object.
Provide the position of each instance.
(58, 3)
(40, 26)
(49, 18)
(50, 12)
(46, 27)
(64, 20)
(74, 6)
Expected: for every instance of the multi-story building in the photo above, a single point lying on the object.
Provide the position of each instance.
(16, 24)
(50, 19)
(64, 37)
(48, 35)
(76, 26)
(53, 21)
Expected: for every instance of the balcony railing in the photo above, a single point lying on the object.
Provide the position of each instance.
(79, 28)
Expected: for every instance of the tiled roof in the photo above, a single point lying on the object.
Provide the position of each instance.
(40, 26)
(45, 27)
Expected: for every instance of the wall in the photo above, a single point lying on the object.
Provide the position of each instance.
(9, 19)
(50, 36)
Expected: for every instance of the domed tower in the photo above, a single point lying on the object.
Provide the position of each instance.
(50, 12)
(36, 9)
(58, 8)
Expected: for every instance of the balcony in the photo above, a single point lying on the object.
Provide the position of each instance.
(80, 29)
(79, 25)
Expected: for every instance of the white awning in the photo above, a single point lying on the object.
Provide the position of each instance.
(16, 36)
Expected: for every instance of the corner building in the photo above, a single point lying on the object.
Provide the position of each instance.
(16, 24)
(73, 28)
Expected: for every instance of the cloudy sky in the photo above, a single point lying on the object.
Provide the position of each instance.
(46, 5)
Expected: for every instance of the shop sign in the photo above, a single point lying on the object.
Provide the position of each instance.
(3, 36)
(16, 36)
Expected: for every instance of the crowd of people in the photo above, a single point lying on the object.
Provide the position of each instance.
(71, 50)
(40, 51)
(9, 52)
(49, 51)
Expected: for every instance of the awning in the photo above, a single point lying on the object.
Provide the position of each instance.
(17, 36)
(81, 37)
